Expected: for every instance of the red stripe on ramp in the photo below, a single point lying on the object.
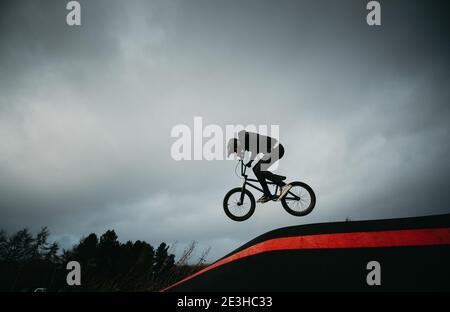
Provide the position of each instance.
(397, 238)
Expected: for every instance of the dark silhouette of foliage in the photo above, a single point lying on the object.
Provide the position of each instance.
(28, 262)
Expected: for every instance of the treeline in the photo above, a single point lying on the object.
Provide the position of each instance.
(29, 262)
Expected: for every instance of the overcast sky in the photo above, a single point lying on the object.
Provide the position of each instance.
(86, 113)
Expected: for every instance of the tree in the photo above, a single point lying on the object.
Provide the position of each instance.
(163, 260)
(20, 246)
(3, 245)
(107, 264)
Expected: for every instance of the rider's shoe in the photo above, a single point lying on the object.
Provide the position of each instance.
(284, 190)
(266, 198)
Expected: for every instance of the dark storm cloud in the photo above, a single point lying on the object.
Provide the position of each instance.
(86, 112)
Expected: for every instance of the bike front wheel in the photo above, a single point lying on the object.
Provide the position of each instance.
(237, 209)
(300, 200)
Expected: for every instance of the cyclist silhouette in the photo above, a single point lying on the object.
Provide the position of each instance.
(270, 151)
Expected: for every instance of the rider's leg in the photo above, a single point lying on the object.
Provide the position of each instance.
(275, 155)
(284, 188)
(268, 160)
(260, 175)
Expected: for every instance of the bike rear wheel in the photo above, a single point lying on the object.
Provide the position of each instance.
(300, 200)
(237, 210)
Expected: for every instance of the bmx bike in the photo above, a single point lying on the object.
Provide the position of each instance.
(239, 203)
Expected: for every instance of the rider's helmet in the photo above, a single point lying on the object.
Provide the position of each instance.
(234, 146)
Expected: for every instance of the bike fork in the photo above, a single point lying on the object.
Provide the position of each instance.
(241, 201)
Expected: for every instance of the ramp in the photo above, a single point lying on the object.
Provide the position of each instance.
(413, 253)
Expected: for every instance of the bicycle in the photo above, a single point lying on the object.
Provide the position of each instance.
(239, 203)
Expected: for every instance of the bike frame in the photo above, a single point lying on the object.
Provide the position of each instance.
(247, 179)
(247, 183)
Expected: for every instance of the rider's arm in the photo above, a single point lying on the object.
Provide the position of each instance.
(274, 143)
(252, 158)
(247, 158)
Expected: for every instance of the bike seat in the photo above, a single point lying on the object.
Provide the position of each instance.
(278, 177)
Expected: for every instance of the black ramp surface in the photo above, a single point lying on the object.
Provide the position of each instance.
(266, 264)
